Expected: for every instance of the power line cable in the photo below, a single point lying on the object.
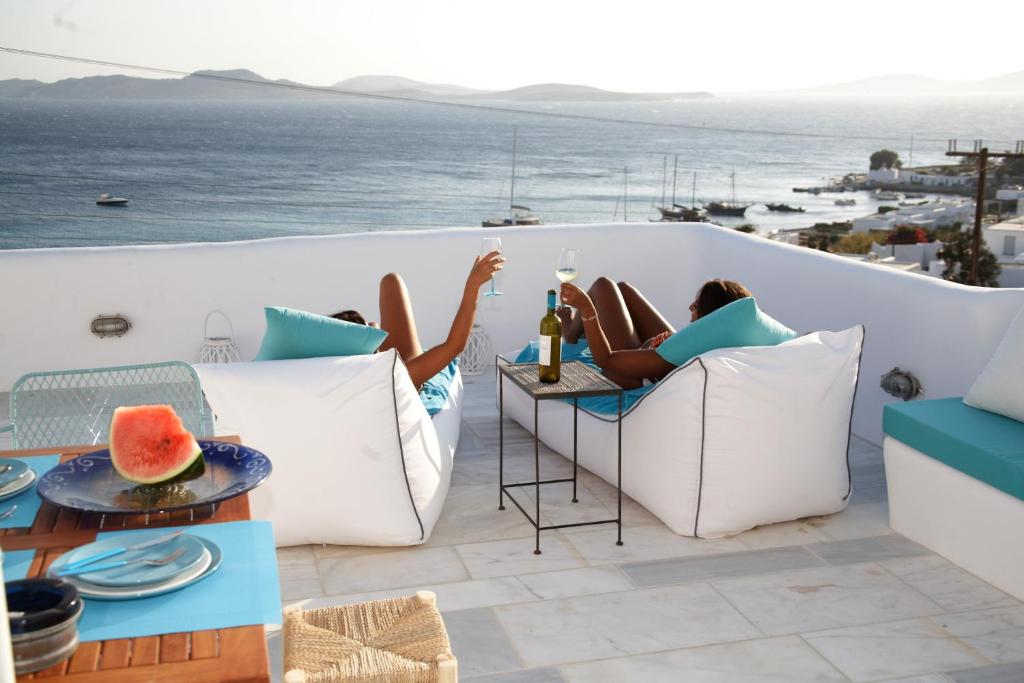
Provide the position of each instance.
(460, 105)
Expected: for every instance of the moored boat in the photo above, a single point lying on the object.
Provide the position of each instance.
(785, 208)
(729, 208)
(107, 199)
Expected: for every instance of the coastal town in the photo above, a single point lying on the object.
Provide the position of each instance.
(924, 218)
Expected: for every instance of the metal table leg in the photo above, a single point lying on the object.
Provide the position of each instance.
(619, 542)
(501, 441)
(575, 415)
(536, 472)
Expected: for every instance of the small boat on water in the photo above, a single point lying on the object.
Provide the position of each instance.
(518, 214)
(106, 199)
(678, 213)
(729, 208)
(888, 196)
(785, 208)
(919, 202)
(914, 195)
(846, 202)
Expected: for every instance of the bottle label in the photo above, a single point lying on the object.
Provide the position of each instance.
(545, 350)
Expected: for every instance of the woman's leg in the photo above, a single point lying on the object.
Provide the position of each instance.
(614, 315)
(647, 321)
(396, 318)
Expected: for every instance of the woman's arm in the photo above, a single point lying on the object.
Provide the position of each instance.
(433, 360)
(627, 368)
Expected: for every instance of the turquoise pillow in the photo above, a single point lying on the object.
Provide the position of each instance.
(740, 323)
(298, 334)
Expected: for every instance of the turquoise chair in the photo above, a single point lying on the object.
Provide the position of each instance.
(74, 407)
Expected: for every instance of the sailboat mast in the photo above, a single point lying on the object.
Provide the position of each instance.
(625, 193)
(733, 177)
(693, 192)
(675, 168)
(664, 177)
(512, 192)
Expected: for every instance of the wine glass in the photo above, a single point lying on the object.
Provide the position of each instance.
(487, 245)
(566, 270)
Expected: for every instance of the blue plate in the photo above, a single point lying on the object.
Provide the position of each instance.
(90, 483)
(19, 469)
(136, 574)
(91, 592)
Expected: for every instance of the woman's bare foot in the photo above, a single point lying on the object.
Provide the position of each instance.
(570, 332)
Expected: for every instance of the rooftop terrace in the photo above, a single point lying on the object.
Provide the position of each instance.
(836, 598)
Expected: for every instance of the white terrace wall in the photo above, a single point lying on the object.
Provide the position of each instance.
(944, 333)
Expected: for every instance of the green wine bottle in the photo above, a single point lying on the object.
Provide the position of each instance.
(550, 364)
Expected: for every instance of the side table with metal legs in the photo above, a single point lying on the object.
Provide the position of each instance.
(577, 381)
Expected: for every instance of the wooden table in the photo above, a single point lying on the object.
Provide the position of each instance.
(228, 654)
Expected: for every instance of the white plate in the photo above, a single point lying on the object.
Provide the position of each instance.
(17, 486)
(203, 568)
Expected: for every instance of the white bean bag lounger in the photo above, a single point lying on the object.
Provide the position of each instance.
(357, 459)
(733, 439)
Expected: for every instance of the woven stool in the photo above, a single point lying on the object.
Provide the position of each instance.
(402, 640)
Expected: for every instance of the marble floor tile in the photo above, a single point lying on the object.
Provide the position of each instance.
(297, 572)
(451, 597)
(996, 673)
(923, 678)
(718, 566)
(633, 513)
(556, 506)
(780, 535)
(480, 643)
(471, 514)
(768, 660)
(545, 675)
(856, 521)
(953, 588)
(614, 624)
(389, 569)
(879, 651)
(513, 557)
(640, 544)
(823, 598)
(860, 550)
(996, 633)
(519, 466)
(569, 582)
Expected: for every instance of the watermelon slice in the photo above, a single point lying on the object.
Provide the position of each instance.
(150, 445)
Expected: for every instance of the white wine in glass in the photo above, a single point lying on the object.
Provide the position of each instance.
(488, 245)
(566, 270)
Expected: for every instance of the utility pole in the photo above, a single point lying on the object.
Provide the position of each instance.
(981, 155)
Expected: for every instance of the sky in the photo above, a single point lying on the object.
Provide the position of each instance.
(638, 46)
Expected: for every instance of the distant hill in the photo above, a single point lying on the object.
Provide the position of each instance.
(562, 92)
(224, 85)
(909, 84)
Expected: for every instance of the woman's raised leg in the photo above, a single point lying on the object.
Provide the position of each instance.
(647, 321)
(614, 315)
(396, 318)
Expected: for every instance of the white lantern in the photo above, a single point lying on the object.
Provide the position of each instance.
(477, 355)
(218, 349)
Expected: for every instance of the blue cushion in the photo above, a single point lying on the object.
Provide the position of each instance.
(605, 405)
(981, 444)
(740, 323)
(297, 334)
(435, 390)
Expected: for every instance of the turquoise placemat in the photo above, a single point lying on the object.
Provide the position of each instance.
(16, 564)
(243, 592)
(28, 501)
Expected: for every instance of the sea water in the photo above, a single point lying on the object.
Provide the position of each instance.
(210, 171)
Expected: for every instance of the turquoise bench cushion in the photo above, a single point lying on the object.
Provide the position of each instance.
(981, 444)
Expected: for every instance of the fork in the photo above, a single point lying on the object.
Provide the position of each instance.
(158, 562)
(9, 512)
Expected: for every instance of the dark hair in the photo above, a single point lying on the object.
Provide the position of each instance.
(350, 316)
(717, 293)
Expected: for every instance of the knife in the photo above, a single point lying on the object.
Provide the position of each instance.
(73, 566)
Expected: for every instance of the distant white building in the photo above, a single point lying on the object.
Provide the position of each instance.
(1011, 199)
(941, 214)
(1006, 240)
(884, 175)
(936, 179)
